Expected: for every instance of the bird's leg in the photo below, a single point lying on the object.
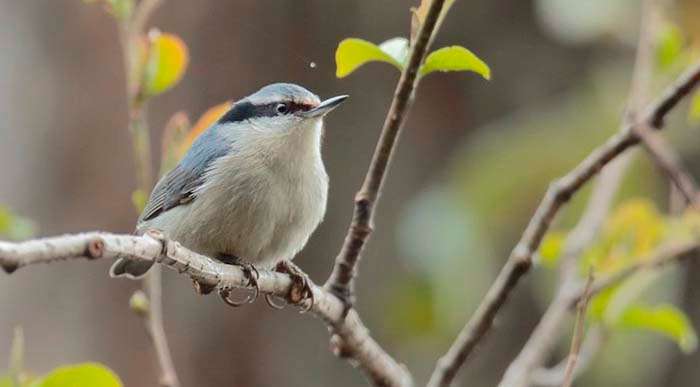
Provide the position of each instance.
(300, 289)
(250, 272)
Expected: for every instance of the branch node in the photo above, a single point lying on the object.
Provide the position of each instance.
(9, 265)
(95, 249)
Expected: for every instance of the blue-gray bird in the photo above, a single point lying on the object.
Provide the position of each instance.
(252, 188)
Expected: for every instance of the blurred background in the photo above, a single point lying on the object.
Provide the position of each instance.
(473, 163)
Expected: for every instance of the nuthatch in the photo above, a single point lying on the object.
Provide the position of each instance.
(252, 188)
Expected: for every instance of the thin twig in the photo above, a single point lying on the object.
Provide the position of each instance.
(341, 280)
(143, 13)
(659, 258)
(559, 193)
(156, 328)
(131, 30)
(554, 376)
(578, 334)
(669, 162)
(355, 340)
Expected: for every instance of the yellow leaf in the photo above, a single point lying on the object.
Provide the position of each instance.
(79, 375)
(633, 230)
(167, 59)
(206, 120)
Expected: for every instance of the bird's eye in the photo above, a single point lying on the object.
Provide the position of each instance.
(282, 108)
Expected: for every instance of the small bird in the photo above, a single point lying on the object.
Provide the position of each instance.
(251, 189)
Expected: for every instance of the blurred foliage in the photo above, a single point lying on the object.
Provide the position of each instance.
(352, 53)
(174, 135)
(166, 61)
(121, 9)
(664, 319)
(585, 21)
(79, 375)
(15, 227)
(205, 120)
(139, 198)
(632, 233)
(669, 46)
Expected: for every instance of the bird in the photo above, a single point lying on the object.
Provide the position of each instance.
(251, 189)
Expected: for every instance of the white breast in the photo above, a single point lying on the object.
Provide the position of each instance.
(260, 203)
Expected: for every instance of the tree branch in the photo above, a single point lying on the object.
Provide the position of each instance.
(559, 193)
(341, 280)
(354, 339)
(661, 257)
(578, 334)
(554, 376)
(131, 30)
(669, 162)
(546, 334)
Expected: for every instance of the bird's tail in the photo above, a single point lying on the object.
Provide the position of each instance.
(130, 268)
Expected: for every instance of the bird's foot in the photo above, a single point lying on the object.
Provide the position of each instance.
(301, 284)
(346, 296)
(250, 272)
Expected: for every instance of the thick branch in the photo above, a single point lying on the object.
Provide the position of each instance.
(355, 341)
(341, 279)
(559, 193)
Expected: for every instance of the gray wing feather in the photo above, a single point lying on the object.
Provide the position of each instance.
(177, 187)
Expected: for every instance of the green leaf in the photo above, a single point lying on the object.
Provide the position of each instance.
(669, 46)
(15, 227)
(663, 319)
(166, 62)
(551, 249)
(694, 113)
(80, 375)
(454, 58)
(353, 53)
(138, 199)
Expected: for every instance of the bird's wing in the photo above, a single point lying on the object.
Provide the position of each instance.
(177, 187)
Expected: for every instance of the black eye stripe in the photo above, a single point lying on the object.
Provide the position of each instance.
(245, 110)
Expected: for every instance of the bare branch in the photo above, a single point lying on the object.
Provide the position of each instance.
(668, 161)
(578, 334)
(559, 193)
(554, 377)
(143, 12)
(355, 341)
(341, 280)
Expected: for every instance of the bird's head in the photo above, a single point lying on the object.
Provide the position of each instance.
(280, 109)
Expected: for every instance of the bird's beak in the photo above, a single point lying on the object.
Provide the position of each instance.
(325, 107)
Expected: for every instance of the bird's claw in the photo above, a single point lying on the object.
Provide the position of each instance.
(252, 274)
(301, 288)
(269, 299)
(225, 295)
